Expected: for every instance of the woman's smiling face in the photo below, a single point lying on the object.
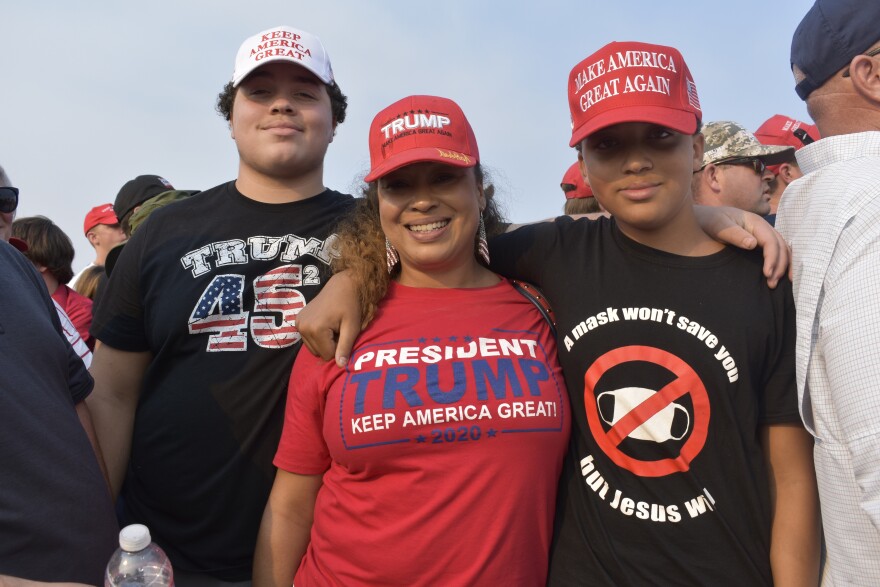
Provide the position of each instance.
(430, 212)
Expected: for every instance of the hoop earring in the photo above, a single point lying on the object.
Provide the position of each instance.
(391, 256)
(482, 243)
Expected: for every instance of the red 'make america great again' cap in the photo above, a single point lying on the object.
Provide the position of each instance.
(787, 132)
(417, 129)
(632, 82)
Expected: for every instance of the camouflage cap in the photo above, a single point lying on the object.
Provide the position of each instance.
(729, 140)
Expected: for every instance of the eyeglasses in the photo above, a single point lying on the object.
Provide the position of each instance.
(8, 199)
(759, 166)
(870, 53)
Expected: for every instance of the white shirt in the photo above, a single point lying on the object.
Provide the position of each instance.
(831, 219)
(73, 336)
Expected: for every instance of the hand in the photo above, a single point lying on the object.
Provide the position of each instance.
(331, 322)
(745, 230)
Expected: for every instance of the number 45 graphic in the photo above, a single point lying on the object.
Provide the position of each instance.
(274, 291)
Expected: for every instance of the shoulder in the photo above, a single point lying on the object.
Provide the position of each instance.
(339, 197)
(16, 264)
(561, 227)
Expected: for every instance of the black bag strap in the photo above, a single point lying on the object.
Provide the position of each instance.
(534, 295)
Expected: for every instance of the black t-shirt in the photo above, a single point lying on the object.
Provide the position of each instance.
(211, 286)
(56, 515)
(673, 364)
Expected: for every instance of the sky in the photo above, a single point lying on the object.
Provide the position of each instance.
(95, 93)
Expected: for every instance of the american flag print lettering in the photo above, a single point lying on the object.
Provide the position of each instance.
(276, 292)
(219, 314)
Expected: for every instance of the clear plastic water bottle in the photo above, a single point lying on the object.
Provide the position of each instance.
(138, 562)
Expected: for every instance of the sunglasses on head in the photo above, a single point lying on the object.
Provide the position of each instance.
(8, 199)
(755, 164)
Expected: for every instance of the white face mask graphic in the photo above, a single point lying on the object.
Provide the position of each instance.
(658, 428)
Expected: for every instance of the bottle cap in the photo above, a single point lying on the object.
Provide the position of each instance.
(134, 538)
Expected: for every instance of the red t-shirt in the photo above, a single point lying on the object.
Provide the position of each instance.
(441, 443)
(79, 309)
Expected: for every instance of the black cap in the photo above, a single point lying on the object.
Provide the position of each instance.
(829, 36)
(137, 191)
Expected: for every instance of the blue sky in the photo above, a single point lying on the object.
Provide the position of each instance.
(96, 93)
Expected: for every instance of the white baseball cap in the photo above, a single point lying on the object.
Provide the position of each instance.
(282, 43)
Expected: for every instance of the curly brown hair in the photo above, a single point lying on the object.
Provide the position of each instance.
(338, 101)
(361, 243)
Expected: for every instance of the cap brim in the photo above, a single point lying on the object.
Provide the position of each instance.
(18, 244)
(236, 81)
(420, 155)
(769, 154)
(677, 120)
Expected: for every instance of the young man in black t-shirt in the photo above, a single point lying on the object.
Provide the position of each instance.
(198, 323)
(688, 464)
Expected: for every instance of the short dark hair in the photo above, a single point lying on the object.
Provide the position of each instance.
(338, 101)
(47, 245)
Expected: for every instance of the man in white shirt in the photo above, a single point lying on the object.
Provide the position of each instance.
(831, 219)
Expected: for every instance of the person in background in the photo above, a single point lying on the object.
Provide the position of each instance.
(784, 132)
(9, 196)
(138, 216)
(468, 349)
(831, 218)
(51, 252)
(56, 516)
(134, 193)
(103, 232)
(578, 195)
(88, 282)
(734, 169)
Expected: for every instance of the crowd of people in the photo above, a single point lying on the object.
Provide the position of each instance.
(629, 394)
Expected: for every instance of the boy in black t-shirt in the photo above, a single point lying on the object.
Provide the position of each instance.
(198, 323)
(688, 464)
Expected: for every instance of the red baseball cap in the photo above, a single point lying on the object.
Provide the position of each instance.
(632, 82)
(420, 128)
(573, 177)
(787, 132)
(102, 214)
(18, 244)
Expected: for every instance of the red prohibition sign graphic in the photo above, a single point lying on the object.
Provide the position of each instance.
(687, 382)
